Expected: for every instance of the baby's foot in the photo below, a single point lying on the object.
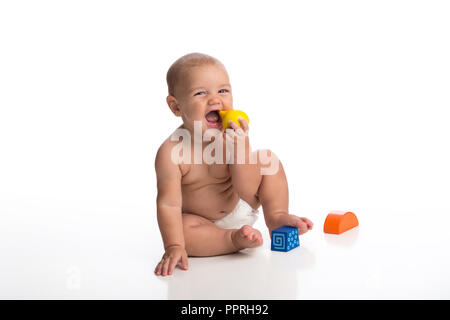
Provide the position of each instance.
(302, 224)
(246, 237)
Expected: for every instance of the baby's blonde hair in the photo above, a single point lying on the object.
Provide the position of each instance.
(187, 61)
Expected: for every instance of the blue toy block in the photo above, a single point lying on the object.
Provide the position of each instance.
(285, 239)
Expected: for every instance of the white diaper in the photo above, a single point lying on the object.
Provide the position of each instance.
(241, 215)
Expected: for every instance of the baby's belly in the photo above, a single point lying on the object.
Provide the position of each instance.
(209, 203)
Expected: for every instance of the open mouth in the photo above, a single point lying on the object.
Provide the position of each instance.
(213, 119)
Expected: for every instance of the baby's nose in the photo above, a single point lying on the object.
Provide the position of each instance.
(214, 100)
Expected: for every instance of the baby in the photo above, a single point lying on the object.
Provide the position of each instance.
(208, 208)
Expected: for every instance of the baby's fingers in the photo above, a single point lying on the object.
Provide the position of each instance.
(237, 129)
(165, 267)
(173, 263)
(233, 125)
(184, 262)
(159, 267)
(244, 124)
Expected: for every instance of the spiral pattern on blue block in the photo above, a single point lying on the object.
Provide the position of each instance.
(279, 241)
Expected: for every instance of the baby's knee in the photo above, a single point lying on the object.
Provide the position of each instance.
(268, 161)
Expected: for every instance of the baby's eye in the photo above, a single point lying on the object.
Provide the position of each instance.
(199, 93)
(223, 90)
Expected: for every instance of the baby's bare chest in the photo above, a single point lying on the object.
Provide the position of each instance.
(202, 174)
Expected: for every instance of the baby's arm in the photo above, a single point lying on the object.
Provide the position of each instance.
(245, 176)
(271, 190)
(169, 212)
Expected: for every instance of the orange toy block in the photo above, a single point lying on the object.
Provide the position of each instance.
(338, 222)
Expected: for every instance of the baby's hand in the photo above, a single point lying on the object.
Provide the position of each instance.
(237, 136)
(174, 255)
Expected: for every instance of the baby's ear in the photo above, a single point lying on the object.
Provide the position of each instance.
(173, 105)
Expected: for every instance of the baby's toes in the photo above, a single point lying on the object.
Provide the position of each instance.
(295, 221)
(248, 232)
(258, 238)
(301, 226)
(252, 234)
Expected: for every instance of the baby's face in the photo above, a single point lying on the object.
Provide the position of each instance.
(203, 91)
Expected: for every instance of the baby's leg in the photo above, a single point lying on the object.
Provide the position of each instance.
(273, 194)
(203, 238)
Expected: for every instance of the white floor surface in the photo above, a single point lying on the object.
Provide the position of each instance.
(389, 256)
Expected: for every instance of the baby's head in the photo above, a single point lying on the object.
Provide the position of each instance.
(199, 86)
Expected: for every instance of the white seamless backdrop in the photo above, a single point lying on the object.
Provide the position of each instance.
(353, 96)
